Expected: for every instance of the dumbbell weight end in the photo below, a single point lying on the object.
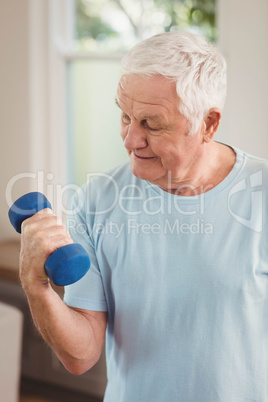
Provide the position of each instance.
(66, 265)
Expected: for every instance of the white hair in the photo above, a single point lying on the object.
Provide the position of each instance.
(196, 65)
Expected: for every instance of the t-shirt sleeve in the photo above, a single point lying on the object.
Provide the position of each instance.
(88, 292)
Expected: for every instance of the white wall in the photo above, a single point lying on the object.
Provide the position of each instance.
(243, 39)
(32, 121)
(31, 131)
(14, 95)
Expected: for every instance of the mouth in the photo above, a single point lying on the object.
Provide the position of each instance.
(143, 158)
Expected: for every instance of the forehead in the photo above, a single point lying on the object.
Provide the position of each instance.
(145, 92)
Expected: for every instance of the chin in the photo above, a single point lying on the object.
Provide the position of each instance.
(141, 175)
(146, 174)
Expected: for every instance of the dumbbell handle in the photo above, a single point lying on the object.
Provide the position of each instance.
(67, 264)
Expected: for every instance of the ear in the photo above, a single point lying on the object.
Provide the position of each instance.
(211, 123)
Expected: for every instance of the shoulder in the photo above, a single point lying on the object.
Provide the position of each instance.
(252, 161)
(252, 166)
(102, 190)
(107, 184)
(252, 176)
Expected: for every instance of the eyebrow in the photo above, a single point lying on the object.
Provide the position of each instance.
(153, 118)
(116, 102)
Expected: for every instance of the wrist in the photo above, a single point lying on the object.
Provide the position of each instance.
(33, 288)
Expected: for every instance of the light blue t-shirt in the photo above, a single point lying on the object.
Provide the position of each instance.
(185, 284)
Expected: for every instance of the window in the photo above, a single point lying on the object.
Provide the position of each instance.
(116, 25)
(102, 30)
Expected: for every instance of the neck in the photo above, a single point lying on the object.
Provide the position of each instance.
(213, 165)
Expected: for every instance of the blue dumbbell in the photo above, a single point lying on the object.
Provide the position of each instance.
(66, 265)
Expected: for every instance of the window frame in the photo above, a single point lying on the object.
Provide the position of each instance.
(54, 104)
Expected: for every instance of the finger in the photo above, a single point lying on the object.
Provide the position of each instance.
(41, 220)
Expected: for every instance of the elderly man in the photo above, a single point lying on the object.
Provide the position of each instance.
(177, 240)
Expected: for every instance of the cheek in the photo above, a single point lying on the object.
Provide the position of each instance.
(161, 147)
(156, 143)
(171, 155)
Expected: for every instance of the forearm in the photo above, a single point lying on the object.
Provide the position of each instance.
(76, 336)
(67, 331)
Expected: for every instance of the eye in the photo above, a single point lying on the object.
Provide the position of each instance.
(153, 129)
(150, 128)
(125, 118)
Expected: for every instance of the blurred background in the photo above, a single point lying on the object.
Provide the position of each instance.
(60, 64)
(59, 68)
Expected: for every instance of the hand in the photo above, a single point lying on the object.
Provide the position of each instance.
(42, 234)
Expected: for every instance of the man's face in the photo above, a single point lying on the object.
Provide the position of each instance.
(155, 133)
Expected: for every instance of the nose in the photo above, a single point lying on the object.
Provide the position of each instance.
(134, 136)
